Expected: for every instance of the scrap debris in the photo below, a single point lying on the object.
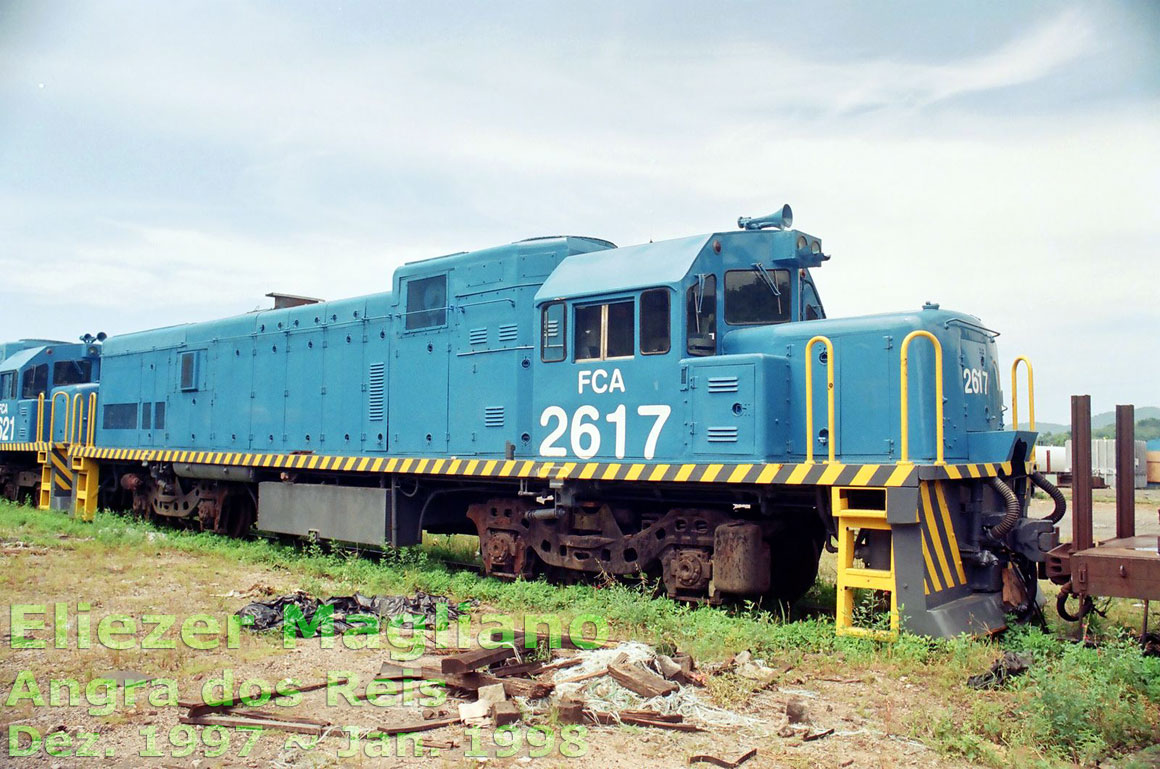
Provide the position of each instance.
(420, 608)
(231, 713)
(723, 762)
(1007, 666)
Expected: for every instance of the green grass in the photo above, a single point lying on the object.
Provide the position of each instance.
(1076, 704)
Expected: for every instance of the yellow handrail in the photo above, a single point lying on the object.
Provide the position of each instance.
(52, 417)
(90, 438)
(78, 414)
(1015, 392)
(938, 394)
(1030, 400)
(830, 438)
(39, 417)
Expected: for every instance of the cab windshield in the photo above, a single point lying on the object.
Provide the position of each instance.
(757, 296)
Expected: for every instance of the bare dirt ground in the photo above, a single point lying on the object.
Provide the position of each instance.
(869, 711)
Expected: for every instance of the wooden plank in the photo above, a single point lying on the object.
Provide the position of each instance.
(475, 659)
(522, 669)
(213, 719)
(504, 713)
(417, 726)
(392, 672)
(201, 706)
(513, 686)
(643, 682)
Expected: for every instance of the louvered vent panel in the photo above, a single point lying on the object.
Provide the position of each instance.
(721, 434)
(722, 384)
(375, 391)
(478, 335)
(493, 416)
(23, 432)
(508, 332)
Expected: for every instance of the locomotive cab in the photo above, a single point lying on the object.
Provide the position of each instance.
(47, 394)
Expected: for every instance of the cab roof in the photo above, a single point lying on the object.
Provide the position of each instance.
(666, 262)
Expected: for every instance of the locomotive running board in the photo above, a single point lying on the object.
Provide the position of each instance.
(803, 474)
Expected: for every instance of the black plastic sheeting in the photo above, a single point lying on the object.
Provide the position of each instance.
(418, 610)
(1006, 667)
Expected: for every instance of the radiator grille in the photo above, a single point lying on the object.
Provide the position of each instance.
(375, 391)
(493, 416)
(721, 434)
(722, 384)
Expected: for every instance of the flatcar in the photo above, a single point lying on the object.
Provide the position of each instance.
(683, 409)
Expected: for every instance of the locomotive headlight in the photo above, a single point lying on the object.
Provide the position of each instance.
(801, 243)
(816, 247)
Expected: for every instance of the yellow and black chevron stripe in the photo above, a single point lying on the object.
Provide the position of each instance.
(23, 447)
(62, 474)
(761, 474)
(962, 472)
(940, 546)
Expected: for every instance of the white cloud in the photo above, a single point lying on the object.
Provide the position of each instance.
(1042, 224)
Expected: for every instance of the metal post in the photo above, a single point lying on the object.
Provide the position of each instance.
(1125, 471)
(1081, 472)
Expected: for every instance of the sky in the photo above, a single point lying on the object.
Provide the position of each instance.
(171, 162)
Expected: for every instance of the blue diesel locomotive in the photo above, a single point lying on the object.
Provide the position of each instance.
(682, 409)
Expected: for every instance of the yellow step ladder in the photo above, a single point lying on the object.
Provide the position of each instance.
(850, 521)
(88, 480)
(56, 475)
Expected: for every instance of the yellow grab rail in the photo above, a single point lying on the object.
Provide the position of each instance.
(938, 395)
(1015, 392)
(52, 418)
(78, 414)
(810, 398)
(90, 437)
(1030, 399)
(39, 417)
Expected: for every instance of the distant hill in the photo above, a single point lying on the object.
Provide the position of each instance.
(1104, 419)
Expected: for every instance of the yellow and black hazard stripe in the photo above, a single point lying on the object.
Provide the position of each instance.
(760, 474)
(62, 475)
(940, 545)
(964, 472)
(23, 447)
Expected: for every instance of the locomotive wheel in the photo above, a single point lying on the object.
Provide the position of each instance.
(500, 524)
(794, 553)
(238, 514)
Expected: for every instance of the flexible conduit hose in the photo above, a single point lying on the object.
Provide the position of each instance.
(1055, 494)
(1014, 510)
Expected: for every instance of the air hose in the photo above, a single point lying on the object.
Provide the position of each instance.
(1014, 509)
(1055, 494)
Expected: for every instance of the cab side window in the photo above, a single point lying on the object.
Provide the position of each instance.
(426, 302)
(701, 317)
(35, 381)
(604, 331)
(71, 372)
(811, 305)
(553, 333)
(8, 386)
(654, 322)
